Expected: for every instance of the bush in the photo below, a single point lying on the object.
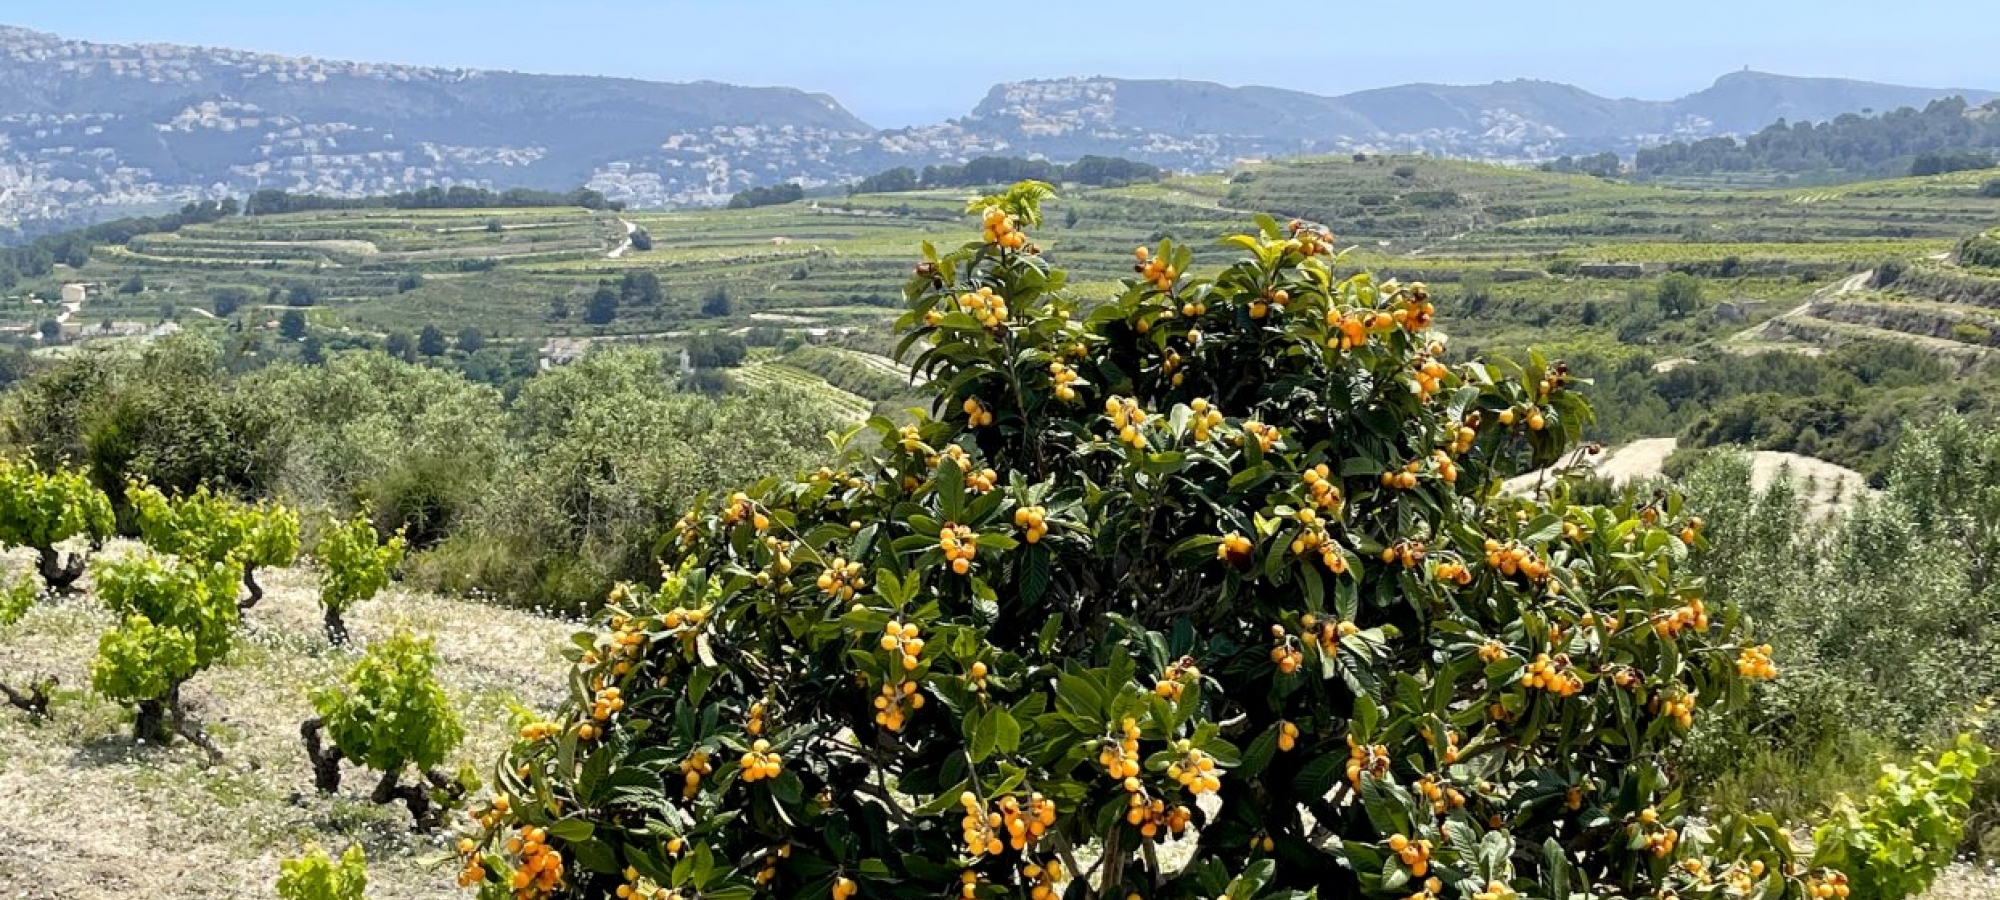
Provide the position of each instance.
(389, 714)
(355, 565)
(316, 876)
(41, 509)
(211, 528)
(1991, 188)
(177, 617)
(609, 455)
(1895, 844)
(16, 595)
(1241, 571)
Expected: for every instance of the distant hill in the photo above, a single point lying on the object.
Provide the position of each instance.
(92, 130)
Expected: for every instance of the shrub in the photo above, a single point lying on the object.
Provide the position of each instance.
(40, 509)
(355, 564)
(1224, 554)
(316, 876)
(610, 455)
(1895, 844)
(177, 617)
(389, 714)
(213, 528)
(16, 595)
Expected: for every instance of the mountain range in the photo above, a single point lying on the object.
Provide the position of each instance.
(89, 130)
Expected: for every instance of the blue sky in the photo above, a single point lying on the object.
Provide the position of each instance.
(897, 63)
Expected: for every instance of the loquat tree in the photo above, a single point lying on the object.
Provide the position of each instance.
(176, 618)
(16, 595)
(214, 528)
(389, 714)
(1206, 591)
(42, 509)
(318, 876)
(355, 565)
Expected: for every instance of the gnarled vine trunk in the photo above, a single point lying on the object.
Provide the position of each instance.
(35, 700)
(250, 584)
(325, 758)
(428, 816)
(160, 721)
(336, 628)
(56, 571)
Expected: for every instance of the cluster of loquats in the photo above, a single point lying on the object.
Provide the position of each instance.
(841, 579)
(1325, 637)
(639, 887)
(1235, 549)
(1126, 419)
(977, 414)
(1174, 681)
(1365, 759)
(1033, 522)
(1156, 272)
(905, 642)
(538, 870)
(1003, 228)
(1678, 709)
(1442, 797)
(844, 888)
(1205, 420)
(1511, 559)
(1691, 615)
(1755, 663)
(1043, 879)
(1064, 380)
(1120, 757)
(898, 700)
(1414, 855)
(1552, 675)
(960, 545)
(1194, 770)
(693, 769)
(760, 763)
(1285, 652)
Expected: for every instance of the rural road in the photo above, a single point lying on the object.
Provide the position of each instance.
(631, 228)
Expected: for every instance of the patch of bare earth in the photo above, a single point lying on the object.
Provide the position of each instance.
(90, 815)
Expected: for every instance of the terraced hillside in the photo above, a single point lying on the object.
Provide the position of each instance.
(1521, 258)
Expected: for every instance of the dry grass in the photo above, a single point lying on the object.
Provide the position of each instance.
(90, 815)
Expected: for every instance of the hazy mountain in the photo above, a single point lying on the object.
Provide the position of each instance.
(88, 129)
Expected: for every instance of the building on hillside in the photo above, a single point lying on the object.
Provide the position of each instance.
(79, 291)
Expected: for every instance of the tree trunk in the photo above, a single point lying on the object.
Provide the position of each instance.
(150, 727)
(256, 590)
(59, 574)
(336, 628)
(325, 759)
(416, 797)
(36, 700)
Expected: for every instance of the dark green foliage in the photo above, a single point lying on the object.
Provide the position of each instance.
(716, 303)
(767, 196)
(470, 340)
(292, 325)
(430, 341)
(602, 308)
(715, 350)
(226, 301)
(1944, 162)
(1861, 146)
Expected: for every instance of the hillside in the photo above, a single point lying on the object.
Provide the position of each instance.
(88, 129)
